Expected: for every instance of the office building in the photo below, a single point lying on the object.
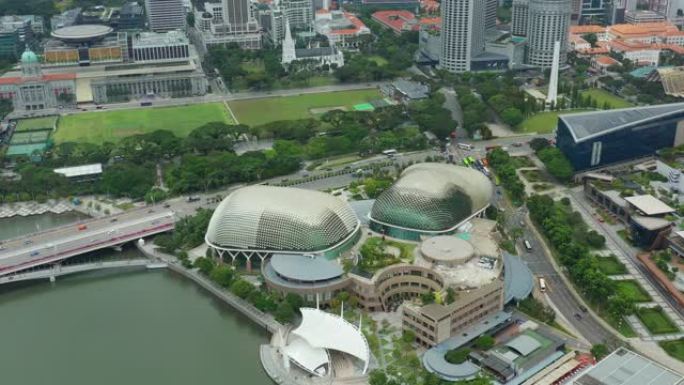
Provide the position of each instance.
(490, 13)
(300, 13)
(18, 23)
(10, 44)
(600, 138)
(548, 22)
(462, 31)
(593, 11)
(154, 47)
(519, 14)
(65, 19)
(132, 17)
(165, 15)
(232, 21)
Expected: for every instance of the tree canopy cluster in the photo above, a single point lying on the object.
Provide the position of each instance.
(567, 233)
(504, 168)
(556, 163)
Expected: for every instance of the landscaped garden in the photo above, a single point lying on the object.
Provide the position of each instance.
(674, 348)
(656, 321)
(112, 126)
(377, 253)
(610, 265)
(632, 290)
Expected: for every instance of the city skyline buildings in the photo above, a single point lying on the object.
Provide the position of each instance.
(462, 32)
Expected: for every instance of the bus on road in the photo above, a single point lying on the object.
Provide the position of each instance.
(542, 285)
(390, 153)
(465, 146)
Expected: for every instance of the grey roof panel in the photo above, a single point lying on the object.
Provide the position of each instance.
(523, 344)
(305, 268)
(624, 367)
(589, 124)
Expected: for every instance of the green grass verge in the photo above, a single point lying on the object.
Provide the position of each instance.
(656, 321)
(632, 290)
(544, 122)
(36, 123)
(603, 96)
(112, 126)
(379, 60)
(611, 265)
(260, 111)
(674, 348)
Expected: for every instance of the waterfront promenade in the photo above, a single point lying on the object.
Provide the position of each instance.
(260, 318)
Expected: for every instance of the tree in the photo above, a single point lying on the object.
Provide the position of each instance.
(377, 377)
(284, 313)
(457, 356)
(595, 240)
(556, 163)
(512, 116)
(599, 351)
(591, 38)
(538, 144)
(408, 336)
(296, 301)
(484, 342)
(224, 276)
(242, 288)
(205, 265)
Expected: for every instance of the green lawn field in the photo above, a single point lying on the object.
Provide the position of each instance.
(254, 112)
(111, 126)
(36, 123)
(674, 348)
(631, 289)
(656, 321)
(602, 96)
(544, 122)
(611, 266)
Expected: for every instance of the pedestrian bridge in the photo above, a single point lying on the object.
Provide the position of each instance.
(64, 242)
(58, 269)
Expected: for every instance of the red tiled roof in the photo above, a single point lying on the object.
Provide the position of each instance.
(606, 60)
(358, 25)
(397, 20)
(582, 29)
(50, 77)
(13, 80)
(431, 21)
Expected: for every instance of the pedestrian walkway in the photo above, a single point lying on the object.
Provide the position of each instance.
(637, 326)
(623, 277)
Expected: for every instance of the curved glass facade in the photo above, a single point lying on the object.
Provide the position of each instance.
(430, 199)
(282, 219)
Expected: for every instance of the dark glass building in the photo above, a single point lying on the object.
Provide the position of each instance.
(599, 138)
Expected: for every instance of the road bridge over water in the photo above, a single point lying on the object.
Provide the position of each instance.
(58, 244)
(59, 270)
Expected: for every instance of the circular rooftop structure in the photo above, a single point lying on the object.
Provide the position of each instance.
(281, 220)
(429, 199)
(305, 269)
(82, 33)
(447, 250)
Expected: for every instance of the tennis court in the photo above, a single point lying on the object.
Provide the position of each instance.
(25, 149)
(30, 137)
(36, 124)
